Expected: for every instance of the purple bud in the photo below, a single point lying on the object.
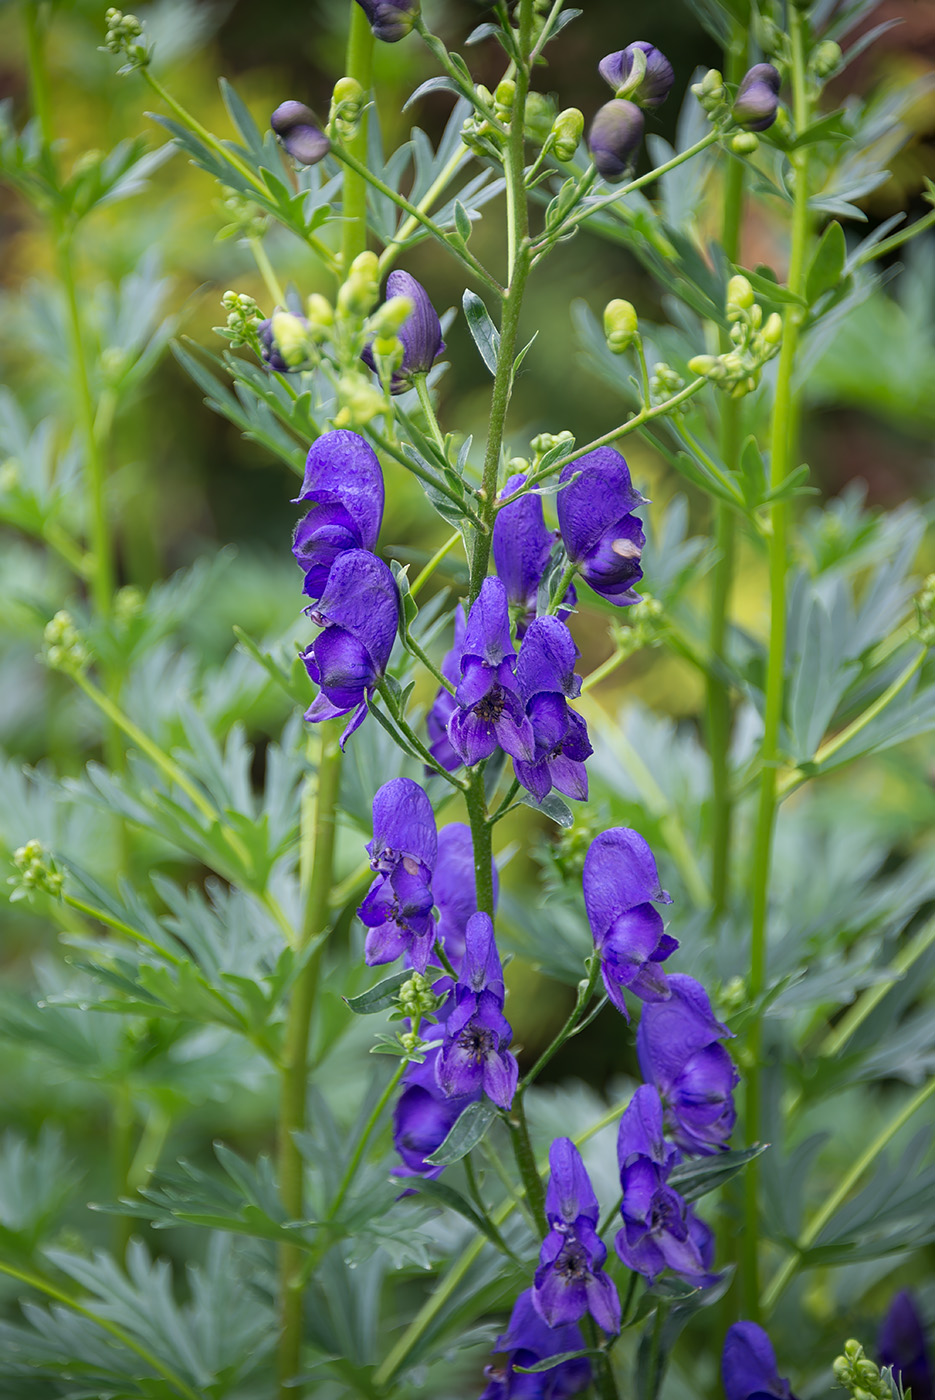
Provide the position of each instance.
(615, 137)
(390, 20)
(420, 333)
(300, 132)
(757, 98)
(902, 1345)
(748, 1365)
(654, 86)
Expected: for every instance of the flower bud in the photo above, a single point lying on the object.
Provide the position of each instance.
(389, 318)
(567, 131)
(621, 326)
(290, 334)
(347, 103)
(739, 296)
(361, 292)
(359, 400)
(503, 98)
(639, 72)
(745, 143)
(826, 59)
(710, 92)
(300, 132)
(419, 329)
(772, 331)
(614, 138)
(757, 98)
(702, 364)
(390, 20)
(320, 315)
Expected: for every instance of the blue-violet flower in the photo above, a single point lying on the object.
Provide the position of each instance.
(653, 87)
(570, 1280)
(397, 909)
(444, 704)
(521, 548)
(757, 99)
(620, 882)
(424, 1116)
(474, 1051)
(390, 20)
(490, 711)
(527, 1341)
(600, 533)
(545, 673)
(344, 484)
(454, 889)
(748, 1365)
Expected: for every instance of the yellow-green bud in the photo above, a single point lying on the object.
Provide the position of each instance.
(544, 442)
(739, 295)
(621, 326)
(388, 352)
(702, 364)
(128, 603)
(348, 90)
(710, 92)
(347, 103)
(772, 331)
(389, 318)
(826, 59)
(361, 292)
(567, 131)
(291, 336)
(517, 465)
(320, 315)
(360, 400)
(504, 96)
(745, 143)
(409, 1041)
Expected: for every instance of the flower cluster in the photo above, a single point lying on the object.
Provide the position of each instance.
(641, 76)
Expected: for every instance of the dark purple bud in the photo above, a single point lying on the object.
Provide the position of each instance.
(521, 549)
(620, 880)
(390, 20)
(748, 1365)
(902, 1345)
(528, 1340)
(359, 611)
(344, 483)
(420, 333)
(652, 89)
(570, 1280)
(444, 705)
(454, 889)
(615, 137)
(757, 99)
(599, 531)
(300, 132)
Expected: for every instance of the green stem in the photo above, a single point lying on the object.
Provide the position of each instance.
(422, 578)
(504, 806)
(413, 739)
(425, 476)
(428, 408)
(417, 651)
(122, 1121)
(782, 442)
(149, 1149)
(359, 65)
(357, 1155)
(266, 272)
(896, 240)
(109, 920)
(526, 1162)
(870, 998)
(561, 588)
(585, 991)
(481, 836)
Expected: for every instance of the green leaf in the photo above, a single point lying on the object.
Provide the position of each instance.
(483, 331)
(552, 806)
(462, 220)
(467, 1132)
(827, 263)
(763, 282)
(379, 997)
(695, 1179)
(551, 1361)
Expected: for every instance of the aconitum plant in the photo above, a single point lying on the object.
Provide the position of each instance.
(494, 1114)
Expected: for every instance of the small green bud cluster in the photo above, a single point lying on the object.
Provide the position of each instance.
(503, 100)
(861, 1376)
(65, 649)
(384, 325)
(825, 59)
(242, 317)
(544, 442)
(571, 849)
(664, 383)
(621, 327)
(320, 315)
(925, 607)
(360, 293)
(244, 219)
(479, 134)
(347, 104)
(643, 629)
(125, 36)
(359, 398)
(755, 341)
(416, 999)
(712, 94)
(128, 604)
(36, 873)
(291, 338)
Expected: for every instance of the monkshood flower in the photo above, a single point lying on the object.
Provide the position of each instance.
(359, 611)
(757, 99)
(424, 1116)
(390, 20)
(420, 334)
(660, 1231)
(300, 132)
(600, 533)
(521, 548)
(489, 711)
(570, 1280)
(454, 889)
(901, 1344)
(677, 1044)
(444, 704)
(615, 137)
(748, 1365)
(620, 883)
(344, 484)
(474, 1053)
(397, 909)
(545, 673)
(528, 1340)
(650, 90)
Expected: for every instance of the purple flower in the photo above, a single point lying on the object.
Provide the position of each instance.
(654, 86)
(521, 549)
(300, 132)
(901, 1344)
(528, 1340)
(545, 673)
(660, 1231)
(344, 483)
(570, 1280)
(679, 1054)
(600, 533)
(444, 704)
(390, 20)
(454, 888)
(757, 99)
(397, 909)
(474, 1052)
(748, 1365)
(489, 711)
(420, 333)
(615, 137)
(620, 881)
(424, 1117)
(359, 611)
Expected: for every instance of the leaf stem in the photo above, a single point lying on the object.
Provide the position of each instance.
(364, 1138)
(412, 223)
(426, 573)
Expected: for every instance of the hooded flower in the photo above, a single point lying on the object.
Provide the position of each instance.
(420, 333)
(677, 1044)
(570, 1280)
(757, 99)
(545, 674)
(615, 137)
(444, 704)
(521, 549)
(599, 531)
(529, 1340)
(300, 132)
(390, 20)
(474, 1052)
(424, 1116)
(620, 880)
(902, 1346)
(653, 88)
(489, 711)
(660, 1231)
(359, 611)
(344, 485)
(748, 1365)
(398, 907)
(454, 888)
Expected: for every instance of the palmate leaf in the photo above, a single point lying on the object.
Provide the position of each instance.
(35, 1183)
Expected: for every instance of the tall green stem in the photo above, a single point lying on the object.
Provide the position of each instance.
(782, 443)
(359, 65)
